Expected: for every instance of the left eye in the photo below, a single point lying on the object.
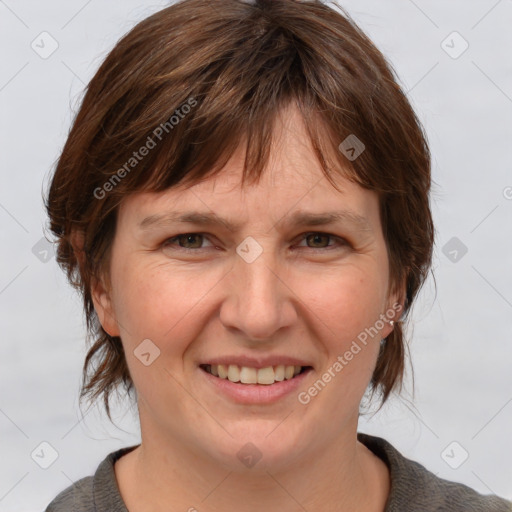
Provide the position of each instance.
(326, 236)
(196, 239)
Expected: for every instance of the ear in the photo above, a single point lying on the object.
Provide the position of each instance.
(100, 290)
(394, 306)
(102, 300)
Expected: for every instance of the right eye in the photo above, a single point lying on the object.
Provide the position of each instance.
(185, 238)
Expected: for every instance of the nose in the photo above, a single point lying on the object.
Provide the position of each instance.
(258, 302)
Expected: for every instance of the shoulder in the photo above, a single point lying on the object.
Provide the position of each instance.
(97, 493)
(413, 487)
(78, 497)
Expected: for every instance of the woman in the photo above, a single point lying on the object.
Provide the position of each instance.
(243, 202)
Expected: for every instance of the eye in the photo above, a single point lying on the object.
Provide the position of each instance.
(316, 239)
(193, 239)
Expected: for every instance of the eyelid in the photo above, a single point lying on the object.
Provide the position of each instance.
(341, 241)
(337, 238)
(166, 243)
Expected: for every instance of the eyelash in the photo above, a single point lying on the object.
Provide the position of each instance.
(341, 241)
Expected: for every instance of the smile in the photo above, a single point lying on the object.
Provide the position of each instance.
(247, 375)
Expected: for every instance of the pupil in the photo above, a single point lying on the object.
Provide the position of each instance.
(316, 237)
(189, 237)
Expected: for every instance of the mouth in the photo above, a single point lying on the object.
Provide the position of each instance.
(246, 375)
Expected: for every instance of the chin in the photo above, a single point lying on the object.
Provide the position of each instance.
(257, 446)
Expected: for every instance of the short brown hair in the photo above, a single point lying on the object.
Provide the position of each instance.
(236, 64)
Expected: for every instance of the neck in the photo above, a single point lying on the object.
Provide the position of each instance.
(161, 473)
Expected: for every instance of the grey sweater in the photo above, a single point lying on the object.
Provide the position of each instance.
(413, 488)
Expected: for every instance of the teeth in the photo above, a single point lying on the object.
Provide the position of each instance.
(233, 373)
(265, 375)
(222, 370)
(247, 375)
(279, 372)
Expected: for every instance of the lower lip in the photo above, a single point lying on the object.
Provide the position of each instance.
(256, 393)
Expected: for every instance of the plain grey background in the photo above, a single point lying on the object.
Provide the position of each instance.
(461, 342)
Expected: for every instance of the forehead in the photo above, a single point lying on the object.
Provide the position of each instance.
(282, 189)
(292, 179)
(265, 205)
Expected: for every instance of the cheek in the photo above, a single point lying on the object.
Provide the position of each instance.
(158, 302)
(346, 310)
(346, 302)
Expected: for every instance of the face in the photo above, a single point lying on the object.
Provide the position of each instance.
(273, 288)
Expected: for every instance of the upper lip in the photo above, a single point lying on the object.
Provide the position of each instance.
(256, 362)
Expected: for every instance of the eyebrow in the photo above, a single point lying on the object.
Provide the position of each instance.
(298, 218)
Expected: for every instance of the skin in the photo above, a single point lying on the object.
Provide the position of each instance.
(302, 296)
